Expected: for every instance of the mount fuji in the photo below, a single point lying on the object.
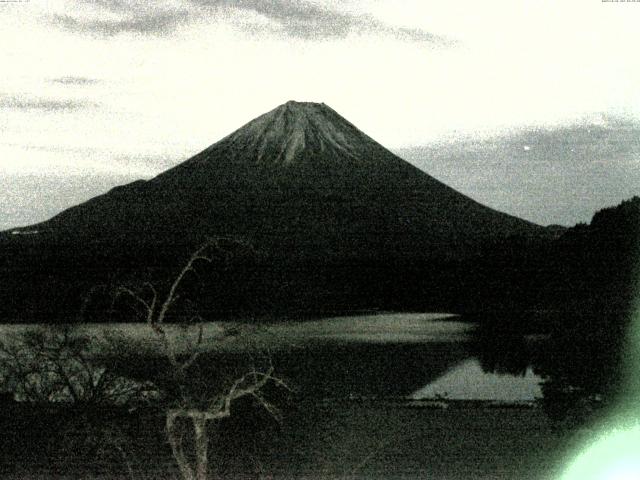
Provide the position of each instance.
(328, 208)
(299, 179)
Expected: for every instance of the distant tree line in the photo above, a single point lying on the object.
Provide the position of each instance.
(581, 289)
(586, 268)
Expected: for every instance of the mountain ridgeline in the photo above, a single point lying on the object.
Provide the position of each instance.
(299, 180)
(334, 218)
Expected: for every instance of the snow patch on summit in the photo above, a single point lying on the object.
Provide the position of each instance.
(296, 143)
(285, 134)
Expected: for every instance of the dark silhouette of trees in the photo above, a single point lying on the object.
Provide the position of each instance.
(58, 388)
(596, 269)
(55, 364)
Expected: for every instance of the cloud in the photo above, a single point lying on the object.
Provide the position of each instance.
(573, 170)
(152, 23)
(11, 102)
(50, 148)
(101, 159)
(70, 80)
(309, 21)
(292, 19)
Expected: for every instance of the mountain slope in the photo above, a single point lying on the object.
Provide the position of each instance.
(336, 219)
(300, 175)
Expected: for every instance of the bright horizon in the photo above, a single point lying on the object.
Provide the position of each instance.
(499, 100)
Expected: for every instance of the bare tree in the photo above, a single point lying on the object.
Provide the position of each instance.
(200, 408)
(53, 364)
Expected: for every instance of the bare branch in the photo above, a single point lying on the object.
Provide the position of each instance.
(148, 307)
(53, 366)
(172, 296)
(194, 356)
(191, 398)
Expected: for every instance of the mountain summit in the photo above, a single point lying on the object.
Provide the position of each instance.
(286, 134)
(324, 205)
(296, 138)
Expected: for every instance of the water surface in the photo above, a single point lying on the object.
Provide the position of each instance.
(415, 355)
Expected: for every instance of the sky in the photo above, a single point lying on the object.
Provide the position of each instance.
(531, 107)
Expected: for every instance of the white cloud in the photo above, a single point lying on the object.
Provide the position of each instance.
(517, 64)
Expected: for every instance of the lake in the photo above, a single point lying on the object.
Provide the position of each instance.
(367, 404)
(413, 355)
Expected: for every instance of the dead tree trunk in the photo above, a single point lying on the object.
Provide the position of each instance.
(175, 440)
(201, 447)
(251, 384)
(199, 471)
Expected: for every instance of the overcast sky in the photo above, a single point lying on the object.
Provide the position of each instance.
(102, 91)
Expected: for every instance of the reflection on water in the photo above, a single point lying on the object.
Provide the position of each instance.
(409, 355)
(382, 355)
(454, 370)
(374, 356)
(381, 328)
(468, 381)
